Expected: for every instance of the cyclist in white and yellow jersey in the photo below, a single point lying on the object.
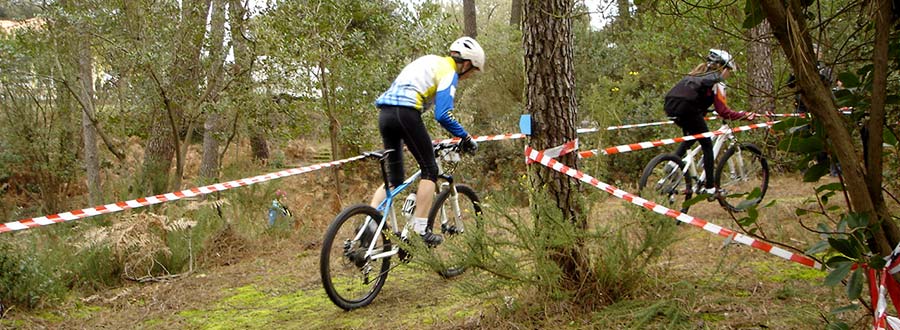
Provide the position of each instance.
(428, 81)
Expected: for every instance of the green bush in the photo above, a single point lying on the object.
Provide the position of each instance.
(26, 279)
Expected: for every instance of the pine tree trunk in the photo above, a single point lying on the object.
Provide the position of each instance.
(551, 100)
(761, 70)
(469, 15)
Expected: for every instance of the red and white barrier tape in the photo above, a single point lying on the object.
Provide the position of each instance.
(659, 123)
(151, 200)
(657, 143)
(499, 137)
(882, 284)
(540, 157)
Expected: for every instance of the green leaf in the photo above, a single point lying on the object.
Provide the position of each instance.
(835, 261)
(799, 212)
(889, 137)
(819, 247)
(849, 79)
(753, 13)
(834, 186)
(843, 309)
(877, 263)
(855, 285)
(838, 274)
(856, 220)
(837, 325)
(844, 246)
(815, 172)
(695, 200)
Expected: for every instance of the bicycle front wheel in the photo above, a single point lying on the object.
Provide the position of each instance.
(665, 183)
(742, 177)
(454, 216)
(352, 278)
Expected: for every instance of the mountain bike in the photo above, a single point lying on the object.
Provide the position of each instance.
(356, 253)
(741, 175)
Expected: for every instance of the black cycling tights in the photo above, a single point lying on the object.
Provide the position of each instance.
(399, 125)
(695, 124)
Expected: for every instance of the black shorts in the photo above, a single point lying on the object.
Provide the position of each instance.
(403, 125)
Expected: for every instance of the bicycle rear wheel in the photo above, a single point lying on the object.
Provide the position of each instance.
(350, 278)
(665, 183)
(452, 222)
(742, 177)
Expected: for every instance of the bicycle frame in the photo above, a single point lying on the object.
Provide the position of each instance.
(690, 165)
(389, 214)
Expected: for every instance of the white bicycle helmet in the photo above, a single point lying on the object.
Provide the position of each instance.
(469, 49)
(721, 57)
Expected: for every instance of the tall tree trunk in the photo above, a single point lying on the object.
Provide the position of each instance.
(760, 68)
(89, 135)
(334, 128)
(469, 15)
(77, 56)
(243, 61)
(550, 98)
(515, 13)
(789, 27)
(882, 11)
(209, 163)
(259, 147)
(165, 141)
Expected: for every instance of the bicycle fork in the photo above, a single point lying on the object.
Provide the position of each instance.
(456, 226)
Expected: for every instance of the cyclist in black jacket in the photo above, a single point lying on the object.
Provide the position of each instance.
(688, 101)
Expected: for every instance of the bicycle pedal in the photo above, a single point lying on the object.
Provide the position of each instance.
(449, 230)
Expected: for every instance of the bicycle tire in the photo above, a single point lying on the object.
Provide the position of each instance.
(747, 170)
(450, 256)
(350, 279)
(671, 187)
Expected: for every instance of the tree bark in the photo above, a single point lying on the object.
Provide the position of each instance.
(761, 70)
(515, 13)
(164, 141)
(882, 11)
(551, 100)
(243, 61)
(209, 163)
(89, 134)
(789, 27)
(334, 128)
(469, 15)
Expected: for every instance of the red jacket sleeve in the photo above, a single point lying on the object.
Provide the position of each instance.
(721, 104)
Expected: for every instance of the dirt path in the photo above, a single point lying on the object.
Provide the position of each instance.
(277, 287)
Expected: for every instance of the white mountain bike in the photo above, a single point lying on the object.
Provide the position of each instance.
(741, 175)
(356, 252)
